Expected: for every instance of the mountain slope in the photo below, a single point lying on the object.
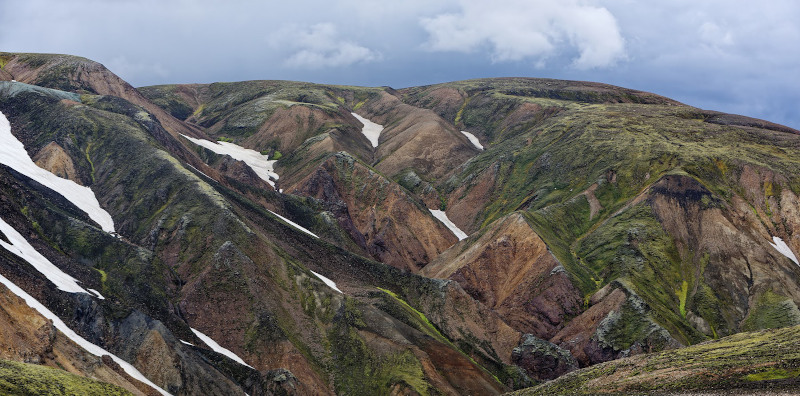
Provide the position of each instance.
(738, 364)
(603, 222)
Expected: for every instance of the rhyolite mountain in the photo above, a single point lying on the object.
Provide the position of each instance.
(602, 223)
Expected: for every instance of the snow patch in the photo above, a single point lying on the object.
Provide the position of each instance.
(186, 343)
(371, 130)
(442, 216)
(474, 140)
(295, 225)
(219, 349)
(82, 342)
(327, 281)
(20, 247)
(13, 154)
(784, 249)
(96, 294)
(259, 163)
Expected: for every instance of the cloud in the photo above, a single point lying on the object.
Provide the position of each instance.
(535, 30)
(320, 46)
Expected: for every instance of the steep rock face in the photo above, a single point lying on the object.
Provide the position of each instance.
(390, 225)
(510, 269)
(26, 336)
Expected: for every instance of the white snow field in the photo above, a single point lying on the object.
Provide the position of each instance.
(327, 281)
(20, 247)
(371, 130)
(784, 249)
(474, 140)
(13, 154)
(259, 163)
(82, 342)
(442, 216)
(218, 348)
(295, 225)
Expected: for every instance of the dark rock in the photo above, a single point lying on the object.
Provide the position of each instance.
(542, 360)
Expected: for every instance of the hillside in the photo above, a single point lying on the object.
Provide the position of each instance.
(601, 223)
(738, 364)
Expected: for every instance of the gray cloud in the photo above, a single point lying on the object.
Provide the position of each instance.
(514, 30)
(320, 46)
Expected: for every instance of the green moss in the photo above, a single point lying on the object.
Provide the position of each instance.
(682, 297)
(199, 110)
(773, 374)
(772, 311)
(29, 379)
(363, 371)
(421, 322)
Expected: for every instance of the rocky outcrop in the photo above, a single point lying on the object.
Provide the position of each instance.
(542, 360)
(53, 158)
(617, 324)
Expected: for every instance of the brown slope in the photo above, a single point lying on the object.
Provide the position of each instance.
(379, 215)
(415, 138)
(511, 270)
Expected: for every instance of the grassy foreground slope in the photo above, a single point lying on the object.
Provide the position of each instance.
(30, 379)
(764, 360)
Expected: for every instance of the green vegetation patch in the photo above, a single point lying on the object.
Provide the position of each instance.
(30, 379)
(360, 370)
(772, 311)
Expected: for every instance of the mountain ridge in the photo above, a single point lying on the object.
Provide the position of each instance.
(658, 235)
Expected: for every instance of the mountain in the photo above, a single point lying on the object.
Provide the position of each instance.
(305, 253)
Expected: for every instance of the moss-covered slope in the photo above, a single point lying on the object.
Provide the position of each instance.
(30, 379)
(743, 363)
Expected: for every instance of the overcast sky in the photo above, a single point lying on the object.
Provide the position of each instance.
(729, 55)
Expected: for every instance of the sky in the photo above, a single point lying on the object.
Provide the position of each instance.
(735, 56)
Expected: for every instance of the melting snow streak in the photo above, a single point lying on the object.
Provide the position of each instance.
(442, 216)
(260, 164)
(327, 281)
(218, 348)
(295, 225)
(474, 140)
(13, 154)
(371, 130)
(784, 249)
(83, 343)
(20, 246)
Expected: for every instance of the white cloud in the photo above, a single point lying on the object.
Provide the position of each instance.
(535, 30)
(320, 46)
